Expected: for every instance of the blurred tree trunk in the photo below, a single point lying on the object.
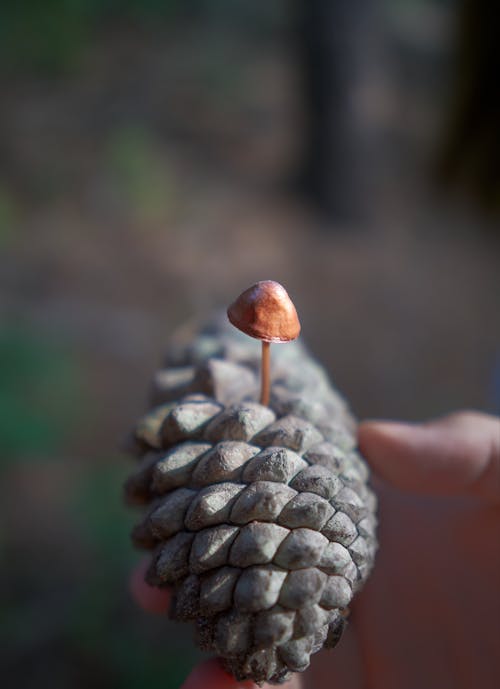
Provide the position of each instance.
(470, 155)
(330, 35)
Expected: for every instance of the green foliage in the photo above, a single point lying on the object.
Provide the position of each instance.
(141, 10)
(81, 600)
(99, 512)
(46, 35)
(126, 650)
(50, 36)
(39, 396)
(139, 175)
(8, 212)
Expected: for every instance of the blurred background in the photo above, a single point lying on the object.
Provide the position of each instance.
(156, 158)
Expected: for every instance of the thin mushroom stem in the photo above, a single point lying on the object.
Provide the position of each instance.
(265, 374)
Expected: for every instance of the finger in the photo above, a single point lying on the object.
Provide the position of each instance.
(455, 455)
(211, 675)
(150, 598)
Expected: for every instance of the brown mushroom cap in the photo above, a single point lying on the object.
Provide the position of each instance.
(265, 311)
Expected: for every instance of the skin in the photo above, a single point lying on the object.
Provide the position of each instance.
(429, 615)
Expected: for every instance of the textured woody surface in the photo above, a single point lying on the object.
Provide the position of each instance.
(259, 517)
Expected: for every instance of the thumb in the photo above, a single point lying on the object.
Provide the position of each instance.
(455, 455)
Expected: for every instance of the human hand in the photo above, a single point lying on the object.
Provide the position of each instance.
(429, 614)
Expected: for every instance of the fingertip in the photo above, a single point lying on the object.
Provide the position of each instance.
(387, 445)
(373, 432)
(406, 456)
(457, 454)
(382, 431)
(211, 675)
(150, 598)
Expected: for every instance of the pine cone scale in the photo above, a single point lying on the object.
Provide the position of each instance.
(260, 518)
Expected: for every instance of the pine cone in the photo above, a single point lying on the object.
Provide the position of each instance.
(260, 518)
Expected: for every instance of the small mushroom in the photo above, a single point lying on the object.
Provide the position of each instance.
(266, 312)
